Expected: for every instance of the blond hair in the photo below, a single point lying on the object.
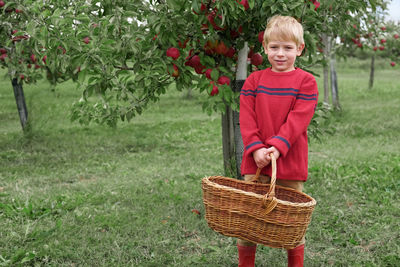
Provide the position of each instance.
(284, 28)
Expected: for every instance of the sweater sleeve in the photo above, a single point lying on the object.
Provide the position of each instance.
(247, 117)
(298, 118)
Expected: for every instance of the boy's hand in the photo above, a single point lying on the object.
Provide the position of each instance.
(260, 157)
(273, 150)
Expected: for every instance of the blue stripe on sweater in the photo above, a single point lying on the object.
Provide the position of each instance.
(283, 140)
(253, 144)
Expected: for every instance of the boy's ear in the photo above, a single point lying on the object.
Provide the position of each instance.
(300, 49)
(264, 44)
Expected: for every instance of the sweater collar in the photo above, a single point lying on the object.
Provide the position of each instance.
(288, 73)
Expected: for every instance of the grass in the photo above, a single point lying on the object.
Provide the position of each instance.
(74, 195)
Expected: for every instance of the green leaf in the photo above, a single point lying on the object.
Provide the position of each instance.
(174, 5)
(82, 75)
(196, 6)
(251, 3)
(215, 74)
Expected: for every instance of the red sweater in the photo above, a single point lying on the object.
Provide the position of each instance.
(275, 110)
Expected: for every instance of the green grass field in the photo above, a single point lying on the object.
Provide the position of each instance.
(73, 195)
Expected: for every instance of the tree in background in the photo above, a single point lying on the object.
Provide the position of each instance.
(376, 37)
(340, 18)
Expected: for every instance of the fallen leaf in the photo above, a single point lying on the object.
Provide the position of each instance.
(196, 211)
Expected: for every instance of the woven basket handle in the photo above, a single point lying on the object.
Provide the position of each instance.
(269, 199)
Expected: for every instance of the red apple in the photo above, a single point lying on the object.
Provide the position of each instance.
(359, 45)
(230, 53)
(3, 51)
(3, 56)
(211, 19)
(176, 71)
(203, 7)
(261, 36)
(393, 64)
(381, 48)
(194, 61)
(256, 59)
(44, 59)
(383, 41)
(221, 48)
(234, 34)
(189, 57)
(316, 5)
(214, 90)
(209, 47)
(86, 40)
(33, 58)
(245, 4)
(251, 53)
(375, 48)
(173, 53)
(208, 73)
(383, 28)
(224, 80)
(22, 77)
(18, 11)
(199, 69)
(396, 36)
(356, 41)
(2, 3)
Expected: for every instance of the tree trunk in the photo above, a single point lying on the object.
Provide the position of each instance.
(21, 106)
(326, 84)
(334, 86)
(228, 143)
(372, 72)
(327, 50)
(236, 131)
(232, 144)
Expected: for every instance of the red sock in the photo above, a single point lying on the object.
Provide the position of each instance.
(247, 255)
(296, 256)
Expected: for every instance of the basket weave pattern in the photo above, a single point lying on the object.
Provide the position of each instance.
(266, 214)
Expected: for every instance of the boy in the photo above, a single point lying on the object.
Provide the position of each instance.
(276, 107)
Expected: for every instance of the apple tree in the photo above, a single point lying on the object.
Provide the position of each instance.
(376, 37)
(16, 54)
(339, 18)
(29, 48)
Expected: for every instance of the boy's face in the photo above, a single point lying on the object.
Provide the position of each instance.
(282, 54)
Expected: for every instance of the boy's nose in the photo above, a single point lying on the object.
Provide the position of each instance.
(280, 52)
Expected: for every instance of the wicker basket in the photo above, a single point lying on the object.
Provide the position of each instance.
(267, 214)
